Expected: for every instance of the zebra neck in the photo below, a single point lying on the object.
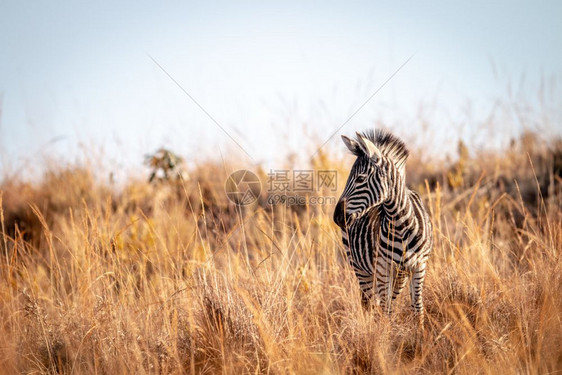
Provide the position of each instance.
(398, 211)
(371, 217)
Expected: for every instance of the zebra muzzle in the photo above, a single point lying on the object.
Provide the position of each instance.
(340, 217)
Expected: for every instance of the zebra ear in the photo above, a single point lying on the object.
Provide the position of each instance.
(352, 145)
(369, 148)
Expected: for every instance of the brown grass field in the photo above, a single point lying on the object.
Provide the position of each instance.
(172, 278)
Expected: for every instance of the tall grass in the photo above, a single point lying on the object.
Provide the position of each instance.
(172, 278)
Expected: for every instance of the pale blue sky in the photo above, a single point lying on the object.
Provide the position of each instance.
(79, 72)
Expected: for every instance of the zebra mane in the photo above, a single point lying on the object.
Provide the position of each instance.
(389, 145)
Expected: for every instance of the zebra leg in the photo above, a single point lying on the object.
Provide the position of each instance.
(384, 272)
(416, 288)
(398, 283)
(366, 285)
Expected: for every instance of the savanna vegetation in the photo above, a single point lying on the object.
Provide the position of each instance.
(168, 276)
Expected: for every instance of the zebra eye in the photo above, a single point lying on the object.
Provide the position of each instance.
(361, 178)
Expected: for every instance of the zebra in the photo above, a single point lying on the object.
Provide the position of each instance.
(386, 231)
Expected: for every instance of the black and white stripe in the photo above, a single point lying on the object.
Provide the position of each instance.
(385, 229)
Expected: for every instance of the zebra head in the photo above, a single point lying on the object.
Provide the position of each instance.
(373, 175)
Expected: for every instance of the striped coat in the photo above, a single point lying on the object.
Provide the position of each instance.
(385, 229)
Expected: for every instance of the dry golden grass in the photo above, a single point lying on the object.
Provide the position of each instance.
(171, 278)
